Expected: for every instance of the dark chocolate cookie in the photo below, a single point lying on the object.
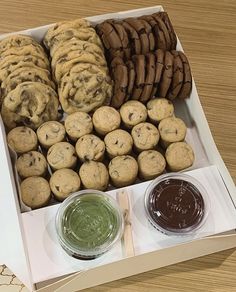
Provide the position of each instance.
(164, 16)
(133, 38)
(160, 59)
(150, 77)
(131, 75)
(186, 88)
(166, 75)
(178, 76)
(149, 33)
(120, 77)
(162, 27)
(139, 64)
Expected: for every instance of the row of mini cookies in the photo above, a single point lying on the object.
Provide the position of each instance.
(78, 65)
(27, 91)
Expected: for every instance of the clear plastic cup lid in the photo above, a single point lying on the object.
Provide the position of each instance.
(176, 204)
(89, 223)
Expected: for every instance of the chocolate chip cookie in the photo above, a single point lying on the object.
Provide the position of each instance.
(132, 113)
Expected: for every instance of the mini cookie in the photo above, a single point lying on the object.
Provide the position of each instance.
(22, 139)
(150, 77)
(139, 64)
(120, 77)
(62, 155)
(172, 130)
(84, 88)
(178, 76)
(90, 147)
(78, 124)
(179, 156)
(151, 163)
(132, 113)
(145, 136)
(123, 170)
(166, 75)
(134, 39)
(159, 109)
(32, 163)
(35, 192)
(131, 78)
(186, 88)
(94, 175)
(118, 142)
(30, 104)
(106, 119)
(63, 182)
(160, 59)
(50, 133)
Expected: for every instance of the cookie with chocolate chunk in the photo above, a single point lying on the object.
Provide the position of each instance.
(30, 104)
(134, 39)
(132, 113)
(178, 76)
(186, 88)
(159, 66)
(159, 109)
(120, 78)
(32, 163)
(167, 75)
(139, 64)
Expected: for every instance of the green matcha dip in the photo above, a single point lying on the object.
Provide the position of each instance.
(89, 224)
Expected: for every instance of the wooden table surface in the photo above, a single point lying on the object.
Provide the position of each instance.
(207, 30)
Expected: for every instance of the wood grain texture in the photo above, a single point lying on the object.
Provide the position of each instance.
(207, 30)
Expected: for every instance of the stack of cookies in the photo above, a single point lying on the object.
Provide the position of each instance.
(144, 60)
(27, 94)
(78, 65)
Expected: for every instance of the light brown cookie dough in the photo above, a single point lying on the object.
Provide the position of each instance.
(151, 163)
(159, 109)
(90, 147)
(123, 170)
(63, 182)
(35, 192)
(132, 113)
(22, 139)
(145, 136)
(106, 119)
(78, 124)
(172, 130)
(50, 133)
(62, 155)
(94, 175)
(32, 163)
(118, 142)
(179, 156)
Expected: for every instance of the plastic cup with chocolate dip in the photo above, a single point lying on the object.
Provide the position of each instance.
(88, 224)
(176, 204)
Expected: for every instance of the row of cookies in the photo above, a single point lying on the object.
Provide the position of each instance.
(28, 93)
(78, 65)
(136, 36)
(162, 73)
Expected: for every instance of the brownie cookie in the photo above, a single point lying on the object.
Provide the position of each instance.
(123, 170)
(131, 78)
(150, 77)
(159, 109)
(179, 156)
(62, 155)
(186, 88)
(63, 182)
(151, 164)
(139, 64)
(166, 75)
(148, 30)
(164, 16)
(84, 88)
(162, 28)
(90, 147)
(172, 130)
(134, 39)
(120, 78)
(94, 175)
(132, 113)
(106, 119)
(118, 142)
(178, 76)
(159, 66)
(32, 163)
(50, 133)
(22, 139)
(30, 104)
(78, 124)
(35, 192)
(145, 136)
